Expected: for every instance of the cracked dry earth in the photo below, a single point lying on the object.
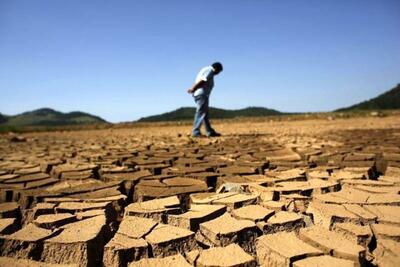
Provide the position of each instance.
(300, 193)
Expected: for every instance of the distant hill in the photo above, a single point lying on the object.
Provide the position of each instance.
(187, 113)
(387, 100)
(49, 117)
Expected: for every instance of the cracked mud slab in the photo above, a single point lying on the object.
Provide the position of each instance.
(231, 255)
(333, 243)
(282, 221)
(79, 243)
(282, 249)
(171, 261)
(156, 209)
(226, 230)
(167, 240)
(325, 260)
(196, 215)
(26, 243)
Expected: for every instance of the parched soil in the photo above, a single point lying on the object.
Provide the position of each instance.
(266, 193)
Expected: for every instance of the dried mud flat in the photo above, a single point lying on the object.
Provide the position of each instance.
(300, 193)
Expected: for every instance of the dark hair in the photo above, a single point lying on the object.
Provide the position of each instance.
(217, 66)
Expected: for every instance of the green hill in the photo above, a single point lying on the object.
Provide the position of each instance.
(49, 117)
(387, 100)
(187, 113)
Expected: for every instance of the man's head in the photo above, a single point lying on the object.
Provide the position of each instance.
(217, 67)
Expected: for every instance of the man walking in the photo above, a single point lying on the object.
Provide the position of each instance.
(201, 91)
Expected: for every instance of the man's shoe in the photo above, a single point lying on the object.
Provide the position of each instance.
(214, 134)
(198, 136)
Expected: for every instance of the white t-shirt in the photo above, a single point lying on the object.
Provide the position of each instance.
(206, 74)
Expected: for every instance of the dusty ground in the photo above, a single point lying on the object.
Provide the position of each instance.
(290, 193)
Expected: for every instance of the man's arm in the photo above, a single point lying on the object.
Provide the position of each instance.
(195, 87)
